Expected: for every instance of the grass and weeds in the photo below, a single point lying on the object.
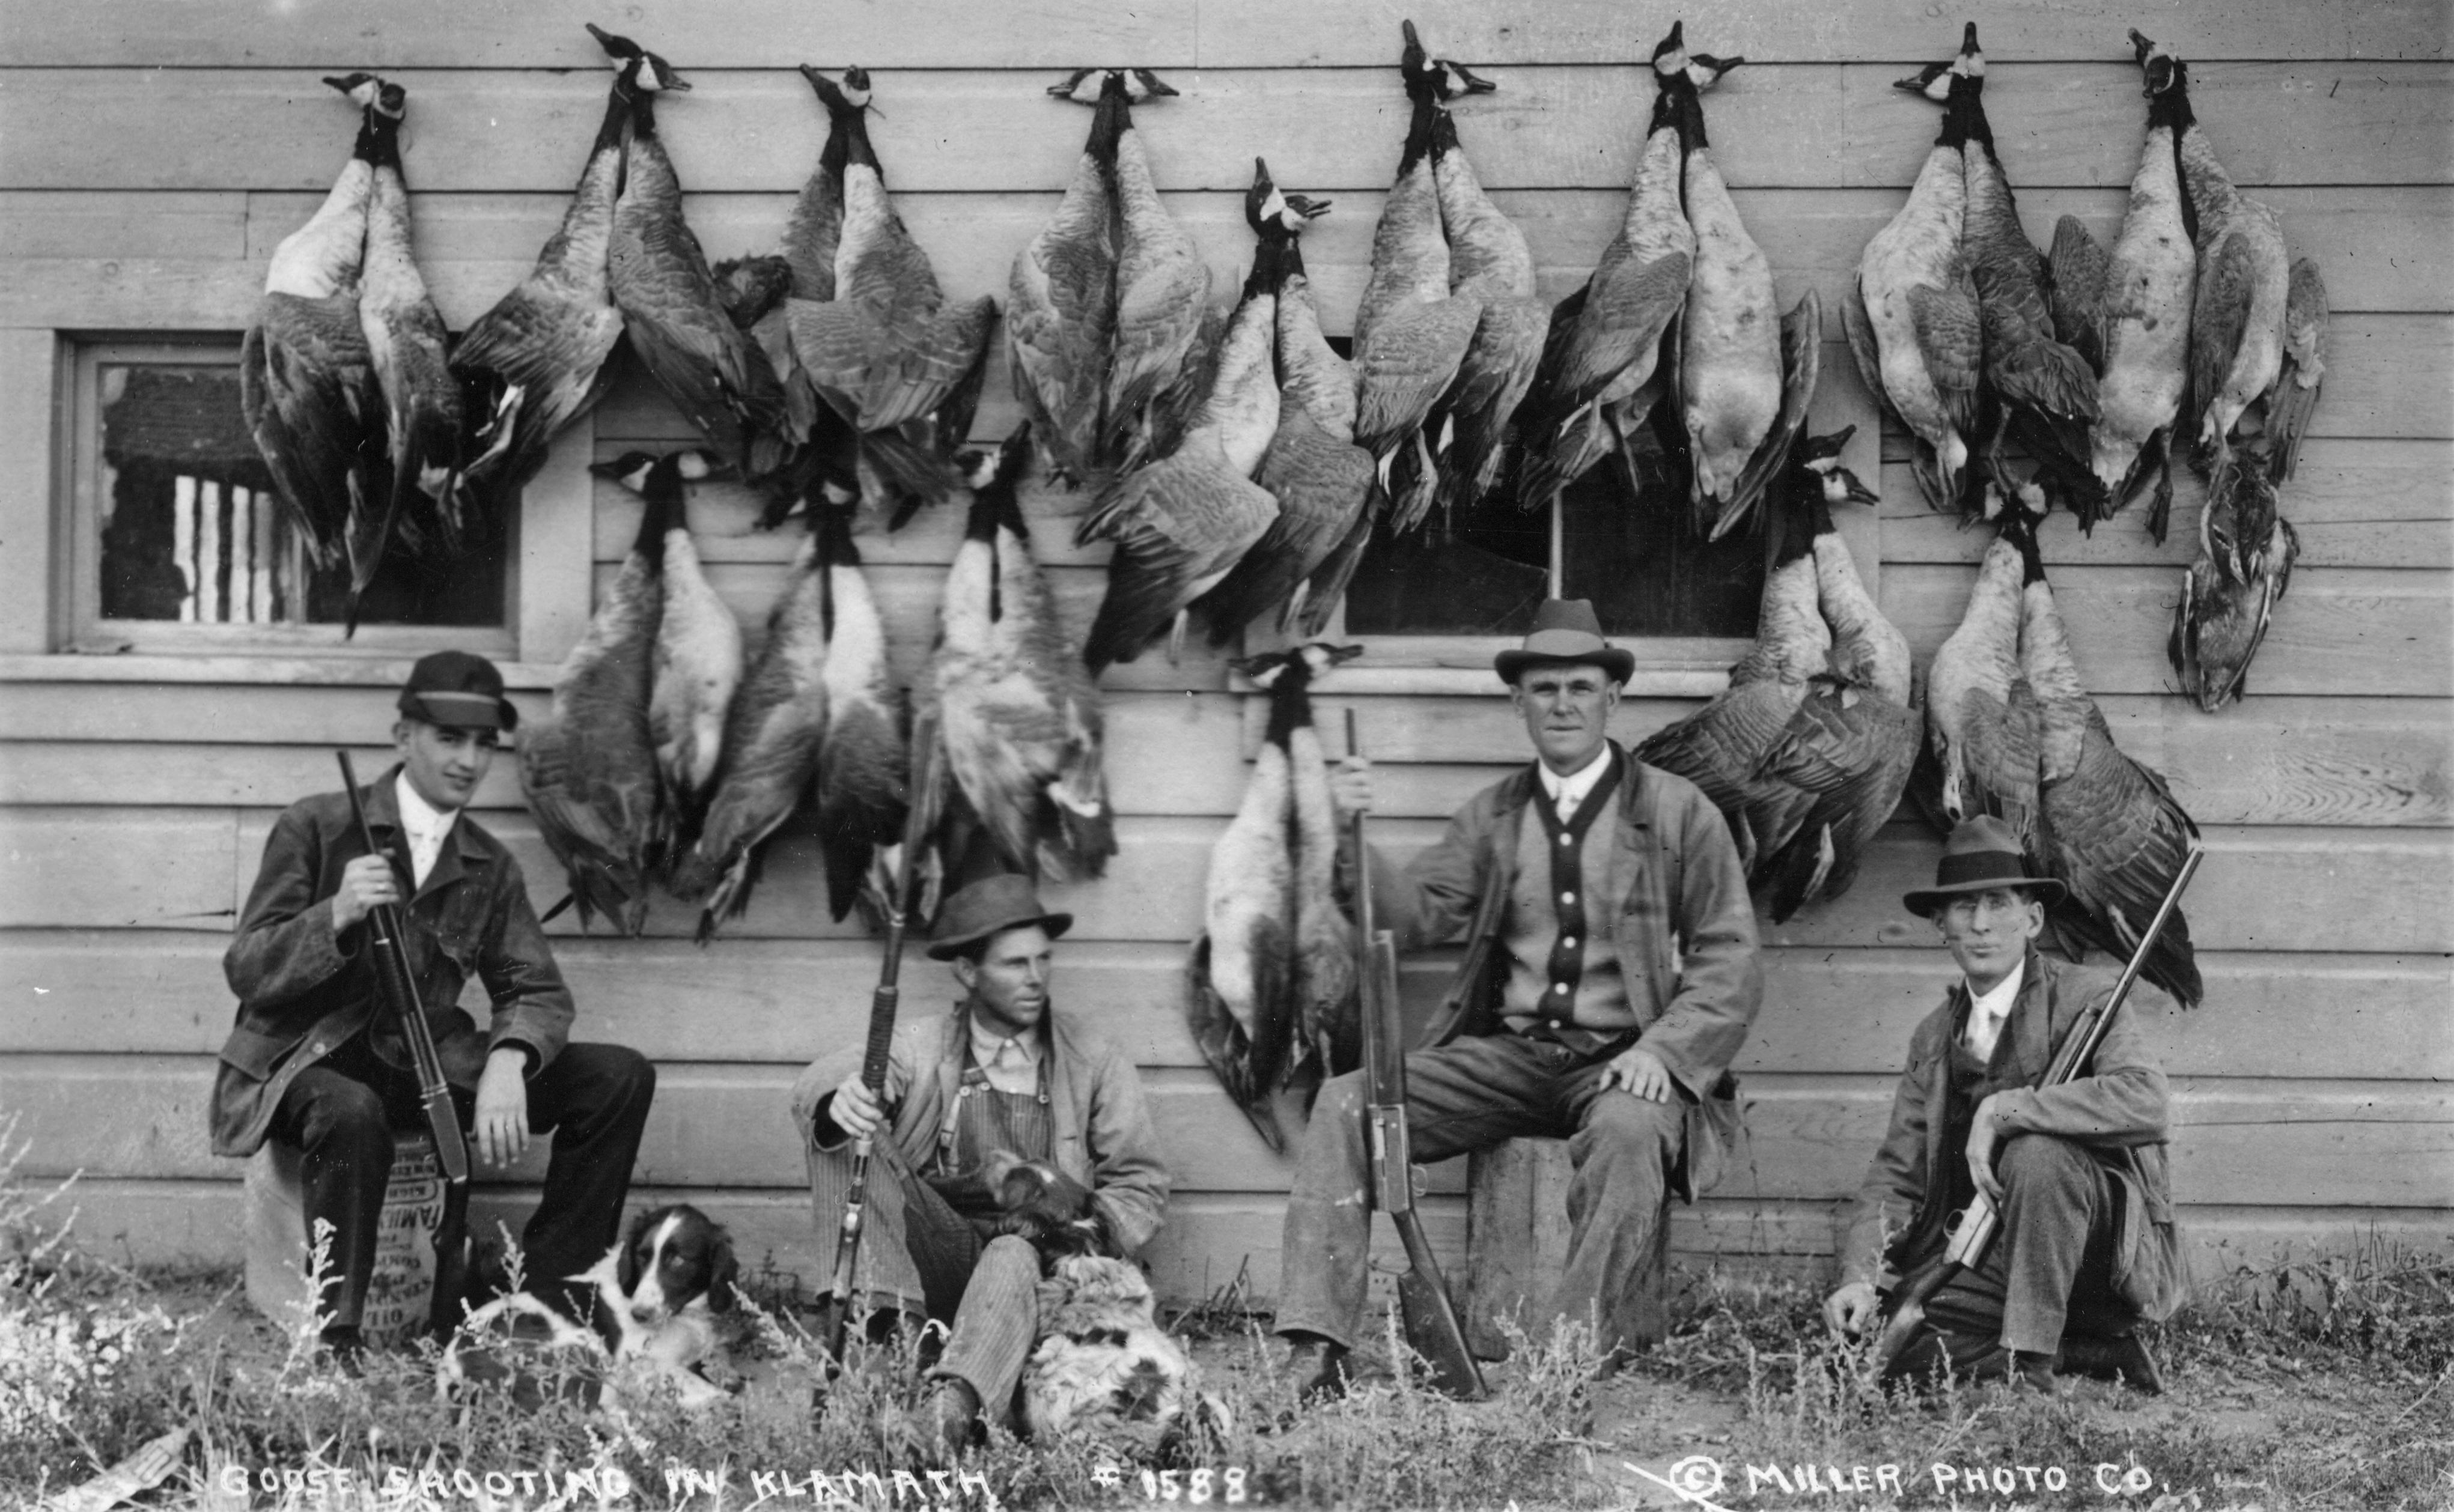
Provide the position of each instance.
(2318, 1383)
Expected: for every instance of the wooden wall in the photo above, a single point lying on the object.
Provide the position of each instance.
(148, 166)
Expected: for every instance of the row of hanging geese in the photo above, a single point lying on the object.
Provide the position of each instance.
(2195, 324)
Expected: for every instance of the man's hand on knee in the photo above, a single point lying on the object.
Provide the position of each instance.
(1984, 1134)
(1851, 1307)
(502, 1113)
(1639, 1072)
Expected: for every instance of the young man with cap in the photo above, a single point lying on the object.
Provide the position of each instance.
(315, 1060)
(2086, 1246)
(1608, 981)
(1006, 1074)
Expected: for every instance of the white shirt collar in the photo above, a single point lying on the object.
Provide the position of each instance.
(1989, 1011)
(1567, 794)
(1010, 1062)
(424, 824)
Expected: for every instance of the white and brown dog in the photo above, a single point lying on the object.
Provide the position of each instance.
(1103, 1368)
(656, 1294)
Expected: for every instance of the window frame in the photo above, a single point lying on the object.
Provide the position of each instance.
(88, 630)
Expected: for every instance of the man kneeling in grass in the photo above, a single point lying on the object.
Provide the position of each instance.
(2086, 1248)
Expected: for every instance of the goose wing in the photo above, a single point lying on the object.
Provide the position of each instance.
(1627, 306)
(2078, 268)
(1802, 354)
(2305, 367)
(307, 384)
(1226, 1047)
(1322, 485)
(2111, 831)
(1492, 384)
(1950, 333)
(2219, 320)
(1180, 525)
(1407, 366)
(1853, 750)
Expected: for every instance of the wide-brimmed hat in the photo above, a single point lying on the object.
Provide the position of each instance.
(1981, 854)
(1565, 630)
(459, 688)
(989, 908)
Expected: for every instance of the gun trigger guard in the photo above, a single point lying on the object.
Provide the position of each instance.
(1418, 1179)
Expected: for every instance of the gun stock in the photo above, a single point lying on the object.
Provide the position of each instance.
(1971, 1230)
(1423, 1304)
(388, 940)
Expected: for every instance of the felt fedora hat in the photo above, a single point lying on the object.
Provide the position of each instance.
(988, 908)
(458, 689)
(1981, 854)
(1565, 630)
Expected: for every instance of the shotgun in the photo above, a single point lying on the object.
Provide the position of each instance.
(1423, 1304)
(387, 941)
(1971, 1230)
(919, 818)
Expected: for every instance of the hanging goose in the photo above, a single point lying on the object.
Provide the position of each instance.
(405, 342)
(1981, 712)
(2107, 827)
(1596, 385)
(1488, 258)
(2294, 397)
(1260, 988)
(1412, 330)
(772, 736)
(1018, 713)
(1743, 389)
(1322, 481)
(1061, 298)
(2044, 391)
(589, 766)
(1162, 287)
(713, 374)
(2243, 282)
(863, 767)
(2246, 549)
(1912, 317)
(2131, 309)
(1182, 522)
(698, 658)
(887, 351)
(1854, 738)
(1722, 747)
(307, 381)
(535, 362)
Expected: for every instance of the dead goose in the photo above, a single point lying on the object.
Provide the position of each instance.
(863, 766)
(1980, 713)
(1912, 317)
(2138, 321)
(1061, 298)
(406, 342)
(1322, 482)
(888, 353)
(588, 766)
(1018, 713)
(698, 660)
(536, 361)
(772, 737)
(307, 380)
(1162, 285)
(1255, 975)
(2107, 827)
(711, 370)
(2246, 549)
(1598, 385)
(1412, 329)
(1182, 522)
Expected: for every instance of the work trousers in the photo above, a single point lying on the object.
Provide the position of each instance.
(1469, 1095)
(341, 1112)
(994, 1324)
(2049, 1269)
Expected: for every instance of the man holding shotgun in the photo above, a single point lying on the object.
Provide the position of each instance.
(2085, 1247)
(317, 1059)
(1007, 1076)
(1608, 981)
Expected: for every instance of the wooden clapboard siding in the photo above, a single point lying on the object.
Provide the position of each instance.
(149, 169)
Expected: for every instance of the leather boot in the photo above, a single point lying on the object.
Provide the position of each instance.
(1319, 1366)
(951, 1418)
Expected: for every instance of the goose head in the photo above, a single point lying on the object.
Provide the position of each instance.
(840, 97)
(1267, 208)
(2165, 71)
(632, 469)
(364, 89)
(751, 287)
(1444, 78)
(1820, 455)
(1083, 86)
(1937, 80)
(1142, 85)
(1670, 54)
(391, 101)
(1290, 671)
(1704, 70)
(634, 66)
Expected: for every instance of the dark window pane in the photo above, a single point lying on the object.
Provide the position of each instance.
(1478, 573)
(192, 529)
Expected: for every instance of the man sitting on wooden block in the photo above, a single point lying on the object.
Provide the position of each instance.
(2086, 1246)
(317, 1062)
(1609, 978)
(1006, 1075)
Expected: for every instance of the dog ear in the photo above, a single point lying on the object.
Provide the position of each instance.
(626, 1267)
(721, 1269)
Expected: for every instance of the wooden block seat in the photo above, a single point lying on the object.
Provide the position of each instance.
(1516, 1239)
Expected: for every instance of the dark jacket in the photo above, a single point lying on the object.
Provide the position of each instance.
(1686, 935)
(2122, 1107)
(1100, 1123)
(304, 989)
